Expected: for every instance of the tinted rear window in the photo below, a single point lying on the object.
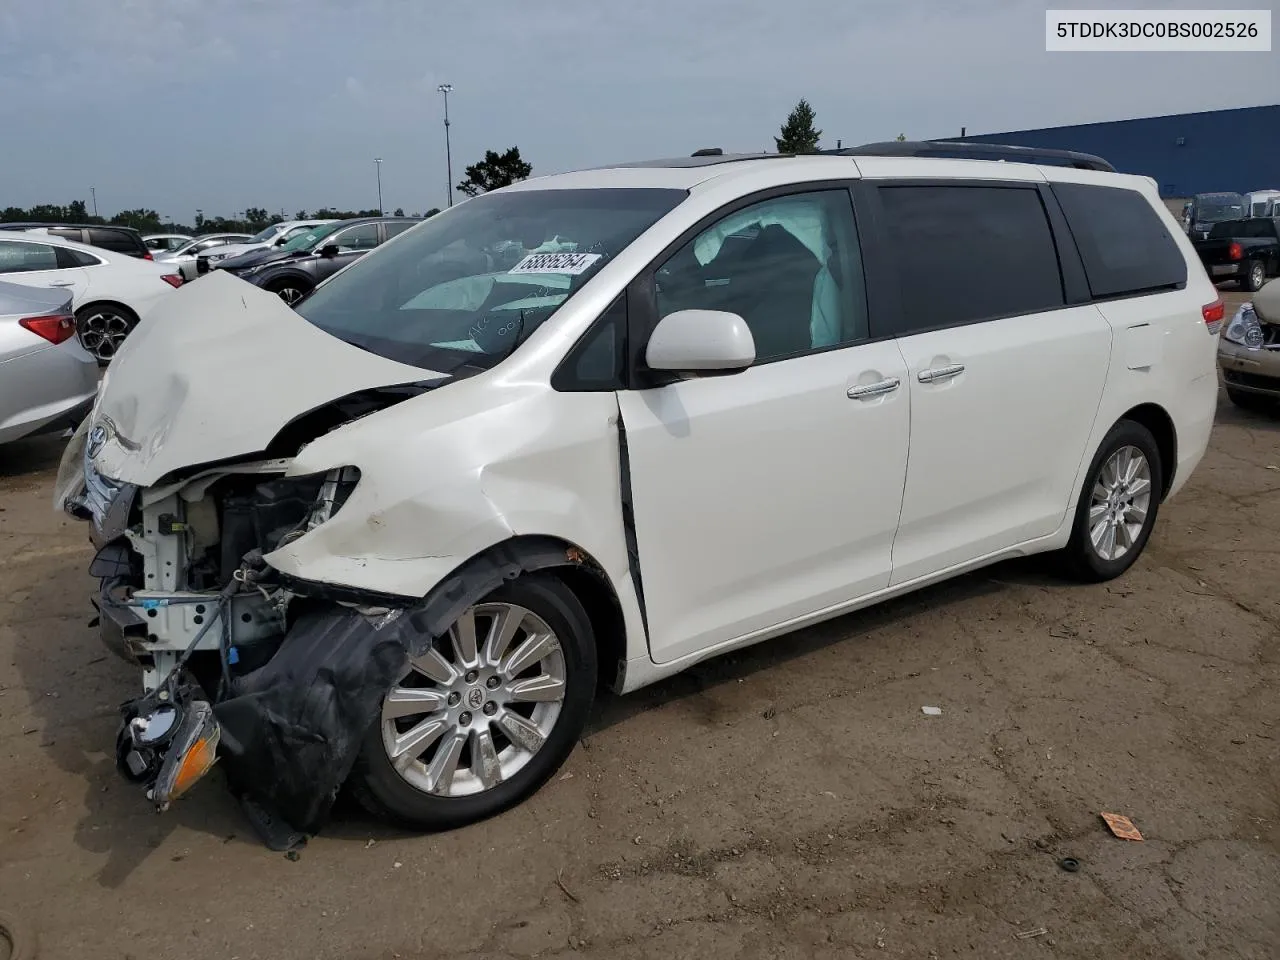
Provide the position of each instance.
(1124, 244)
(970, 253)
(118, 241)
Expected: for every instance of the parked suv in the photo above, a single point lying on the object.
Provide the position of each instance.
(603, 425)
(124, 240)
(293, 270)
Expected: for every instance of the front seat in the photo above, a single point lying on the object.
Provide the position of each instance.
(772, 289)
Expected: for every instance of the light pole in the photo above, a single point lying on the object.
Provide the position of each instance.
(94, 192)
(445, 88)
(377, 165)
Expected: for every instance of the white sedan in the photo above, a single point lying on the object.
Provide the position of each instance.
(110, 291)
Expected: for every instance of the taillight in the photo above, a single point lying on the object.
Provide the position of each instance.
(54, 329)
(1213, 315)
(147, 256)
(173, 279)
(1235, 251)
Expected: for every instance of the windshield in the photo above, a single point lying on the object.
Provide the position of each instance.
(305, 241)
(465, 287)
(265, 235)
(1220, 208)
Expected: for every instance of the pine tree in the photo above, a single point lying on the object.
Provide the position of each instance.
(799, 134)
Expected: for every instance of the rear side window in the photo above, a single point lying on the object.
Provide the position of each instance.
(1123, 243)
(118, 241)
(67, 233)
(397, 227)
(964, 254)
(18, 257)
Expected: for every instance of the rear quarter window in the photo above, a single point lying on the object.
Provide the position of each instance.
(1124, 244)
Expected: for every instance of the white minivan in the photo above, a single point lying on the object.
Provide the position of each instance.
(593, 428)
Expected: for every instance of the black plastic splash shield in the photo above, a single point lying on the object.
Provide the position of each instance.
(292, 729)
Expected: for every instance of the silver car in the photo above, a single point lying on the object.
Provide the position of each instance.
(184, 258)
(48, 381)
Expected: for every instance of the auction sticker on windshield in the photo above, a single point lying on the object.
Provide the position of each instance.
(570, 263)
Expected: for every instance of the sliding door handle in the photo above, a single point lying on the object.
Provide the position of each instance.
(941, 373)
(878, 389)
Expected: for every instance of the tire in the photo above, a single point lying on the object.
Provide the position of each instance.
(1255, 276)
(1250, 401)
(413, 798)
(1081, 559)
(289, 289)
(102, 327)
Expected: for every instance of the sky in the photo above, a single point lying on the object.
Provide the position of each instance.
(224, 104)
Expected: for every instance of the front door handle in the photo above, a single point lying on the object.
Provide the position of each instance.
(877, 389)
(941, 373)
(69, 283)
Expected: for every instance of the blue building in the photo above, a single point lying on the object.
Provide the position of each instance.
(1186, 153)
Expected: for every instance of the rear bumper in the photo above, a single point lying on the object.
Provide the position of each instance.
(1225, 271)
(46, 391)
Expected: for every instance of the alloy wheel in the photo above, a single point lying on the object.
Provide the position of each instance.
(290, 295)
(1119, 503)
(473, 710)
(102, 330)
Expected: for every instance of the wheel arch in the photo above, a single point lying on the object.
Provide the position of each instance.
(108, 302)
(504, 561)
(296, 276)
(1156, 419)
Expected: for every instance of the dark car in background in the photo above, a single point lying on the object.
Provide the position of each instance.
(1206, 209)
(1246, 250)
(124, 240)
(294, 270)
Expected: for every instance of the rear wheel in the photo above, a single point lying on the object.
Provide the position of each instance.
(1118, 505)
(102, 327)
(490, 711)
(290, 290)
(1255, 276)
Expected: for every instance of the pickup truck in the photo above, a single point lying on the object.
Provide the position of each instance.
(1247, 251)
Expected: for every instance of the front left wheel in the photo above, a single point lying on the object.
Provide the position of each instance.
(487, 714)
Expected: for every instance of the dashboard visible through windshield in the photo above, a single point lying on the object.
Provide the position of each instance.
(466, 287)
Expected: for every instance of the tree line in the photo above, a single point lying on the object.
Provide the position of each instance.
(799, 134)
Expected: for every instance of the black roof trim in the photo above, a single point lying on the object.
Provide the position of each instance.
(968, 150)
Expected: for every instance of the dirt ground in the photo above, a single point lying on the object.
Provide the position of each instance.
(791, 801)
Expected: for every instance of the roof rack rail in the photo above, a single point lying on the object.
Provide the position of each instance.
(966, 150)
(708, 152)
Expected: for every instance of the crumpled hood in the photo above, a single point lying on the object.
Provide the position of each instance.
(215, 371)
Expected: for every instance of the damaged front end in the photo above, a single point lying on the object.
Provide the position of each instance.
(277, 680)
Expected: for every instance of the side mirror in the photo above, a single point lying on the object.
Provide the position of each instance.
(281, 241)
(701, 343)
(329, 250)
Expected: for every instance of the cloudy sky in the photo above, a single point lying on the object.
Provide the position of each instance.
(223, 104)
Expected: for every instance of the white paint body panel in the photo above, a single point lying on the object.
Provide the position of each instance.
(764, 501)
(117, 277)
(995, 449)
(765, 495)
